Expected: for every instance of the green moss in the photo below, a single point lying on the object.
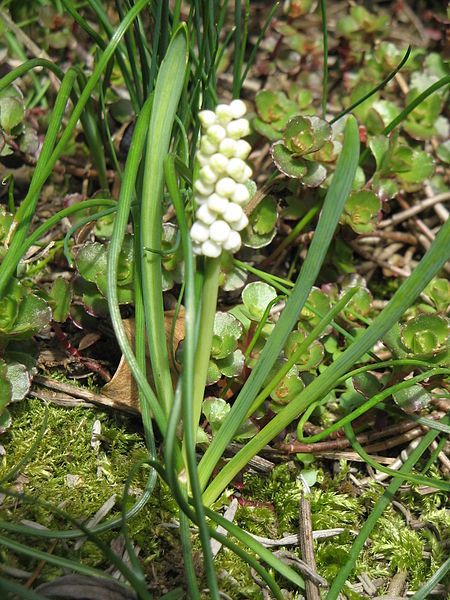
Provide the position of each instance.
(271, 509)
(235, 577)
(66, 449)
(393, 544)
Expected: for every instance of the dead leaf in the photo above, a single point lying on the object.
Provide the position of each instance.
(122, 387)
(88, 588)
(88, 340)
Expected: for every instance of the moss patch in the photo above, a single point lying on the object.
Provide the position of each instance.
(67, 472)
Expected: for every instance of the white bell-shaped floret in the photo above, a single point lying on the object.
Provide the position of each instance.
(199, 199)
(211, 249)
(241, 194)
(247, 173)
(199, 232)
(207, 118)
(218, 162)
(207, 175)
(227, 147)
(233, 213)
(216, 133)
(207, 146)
(236, 169)
(233, 243)
(220, 193)
(205, 215)
(202, 188)
(242, 149)
(218, 204)
(203, 159)
(237, 129)
(238, 109)
(224, 113)
(241, 224)
(219, 232)
(225, 187)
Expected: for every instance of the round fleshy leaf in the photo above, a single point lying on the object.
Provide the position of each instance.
(315, 175)
(227, 331)
(320, 302)
(304, 135)
(215, 410)
(360, 304)
(361, 210)
(91, 262)
(366, 384)
(310, 358)
(5, 420)
(265, 215)
(33, 316)
(443, 152)
(287, 162)
(20, 379)
(412, 399)
(246, 431)
(426, 334)
(233, 278)
(213, 374)
(411, 165)
(379, 146)
(273, 106)
(12, 113)
(60, 298)
(256, 296)
(288, 388)
(5, 386)
(438, 290)
(232, 365)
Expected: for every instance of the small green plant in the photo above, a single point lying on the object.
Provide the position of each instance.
(291, 343)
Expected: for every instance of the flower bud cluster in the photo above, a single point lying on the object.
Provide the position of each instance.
(220, 190)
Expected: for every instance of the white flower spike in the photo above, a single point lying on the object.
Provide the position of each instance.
(221, 190)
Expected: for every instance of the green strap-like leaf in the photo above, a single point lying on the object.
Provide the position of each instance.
(168, 90)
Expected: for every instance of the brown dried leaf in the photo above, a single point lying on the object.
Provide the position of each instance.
(122, 387)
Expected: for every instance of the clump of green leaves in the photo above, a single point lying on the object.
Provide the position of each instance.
(23, 314)
(274, 110)
(15, 133)
(226, 358)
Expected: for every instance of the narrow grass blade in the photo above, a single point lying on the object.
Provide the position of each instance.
(259, 39)
(19, 591)
(438, 484)
(127, 193)
(375, 89)
(377, 511)
(332, 208)
(115, 560)
(41, 174)
(53, 559)
(405, 112)
(425, 591)
(323, 13)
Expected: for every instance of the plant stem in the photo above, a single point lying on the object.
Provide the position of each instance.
(323, 12)
(205, 334)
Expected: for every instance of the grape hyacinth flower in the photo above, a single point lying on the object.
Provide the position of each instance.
(220, 190)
